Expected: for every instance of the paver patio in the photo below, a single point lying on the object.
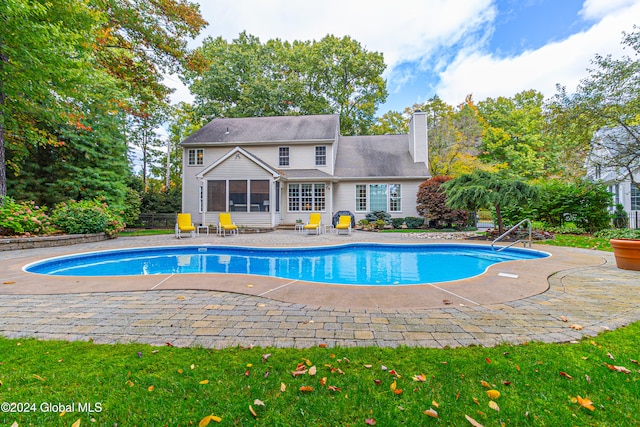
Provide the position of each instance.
(216, 311)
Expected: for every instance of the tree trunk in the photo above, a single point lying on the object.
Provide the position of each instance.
(499, 219)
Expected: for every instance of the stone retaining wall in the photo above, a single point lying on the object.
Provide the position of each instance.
(49, 241)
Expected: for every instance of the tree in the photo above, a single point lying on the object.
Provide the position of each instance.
(454, 136)
(432, 204)
(482, 189)
(514, 135)
(70, 73)
(246, 78)
(601, 119)
(391, 123)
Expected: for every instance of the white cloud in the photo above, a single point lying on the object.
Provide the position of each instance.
(403, 30)
(596, 9)
(564, 62)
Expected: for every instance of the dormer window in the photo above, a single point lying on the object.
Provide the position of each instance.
(321, 155)
(283, 156)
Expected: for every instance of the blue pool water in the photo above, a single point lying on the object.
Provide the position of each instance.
(351, 264)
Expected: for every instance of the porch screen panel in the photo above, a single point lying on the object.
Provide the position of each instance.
(378, 197)
(216, 196)
(238, 195)
(259, 195)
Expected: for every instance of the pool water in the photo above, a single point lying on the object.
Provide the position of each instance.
(351, 264)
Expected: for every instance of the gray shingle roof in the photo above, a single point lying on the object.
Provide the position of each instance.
(377, 156)
(304, 173)
(267, 129)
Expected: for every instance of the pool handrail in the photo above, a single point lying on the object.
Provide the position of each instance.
(506, 233)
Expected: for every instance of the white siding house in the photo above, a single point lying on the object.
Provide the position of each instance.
(615, 155)
(269, 171)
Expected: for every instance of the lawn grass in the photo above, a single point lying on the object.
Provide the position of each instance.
(140, 385)
(585, 241)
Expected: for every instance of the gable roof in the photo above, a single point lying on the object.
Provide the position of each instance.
(377, 156)
(250, 156)
(262, 130)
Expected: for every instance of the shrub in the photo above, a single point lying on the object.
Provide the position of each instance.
(432, 204)
(378, 215)
(132, 204)
(23, 218)
(414, 222)
(397, 222)
(620, 217)
(618, 233)
(87, 216)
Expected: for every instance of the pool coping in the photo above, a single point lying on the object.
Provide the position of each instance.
(503, 282)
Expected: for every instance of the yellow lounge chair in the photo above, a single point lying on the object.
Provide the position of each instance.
(344, 223)
(225, 224)
(314, 223)
(184, 224)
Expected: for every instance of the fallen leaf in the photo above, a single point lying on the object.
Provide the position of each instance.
(322, 345)
(253, 412)
(169, 344)
(151, 388)
(473, 422)
(378, 382)
(493, 394)
(312, 370)
(611, 356)
(247, 373)
(180, 371)
(204, 382)
(576, 327)
(446, 302)
(564, 374)
(192, 366)
(420, 378)
(130, 383)
(485, 384)
(434, 403)
(38, 377)
(283, 387)
(77, 423)
(323, 381)
(333, 388)
(63, 413)
(368, 366)
(258, 402)
(564, 319)
(393, 386)
(206, 420)
(618, 368)
(506, 382)
(475, 400)
(493, 405)
(431, 412)
(487, 360)
(265, 357)
(370, 421)
(297, 373)
(8, 283)
(180, 297)
(306, 388)
(585, 403)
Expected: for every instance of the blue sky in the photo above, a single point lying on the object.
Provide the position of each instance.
(451, 48)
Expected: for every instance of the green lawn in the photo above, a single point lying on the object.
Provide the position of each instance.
(579, 241)
(129, 385)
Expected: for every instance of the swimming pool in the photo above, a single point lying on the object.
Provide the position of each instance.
(350, 264)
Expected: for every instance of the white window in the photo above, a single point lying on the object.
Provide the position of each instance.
(321, 155)
(306, 197)
(635, 198)
(379, 197)
(195, 157)
(361, 198)
(283, 156)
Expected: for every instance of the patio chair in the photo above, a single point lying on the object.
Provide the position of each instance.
(344, 224)
(184, 225)
(314, 223)
(226, 225)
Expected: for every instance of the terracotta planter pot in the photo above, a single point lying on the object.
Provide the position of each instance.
(627, 253)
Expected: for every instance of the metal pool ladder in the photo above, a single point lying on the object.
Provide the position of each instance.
(506, 233)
